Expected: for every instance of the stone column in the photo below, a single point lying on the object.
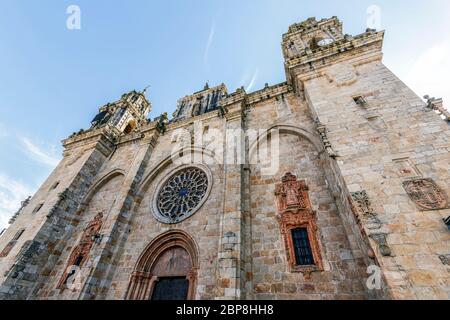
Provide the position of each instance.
(230, 251)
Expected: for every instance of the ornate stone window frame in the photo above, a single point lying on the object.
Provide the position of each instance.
(308, 223)
(295, 211)
(159, 185)
(82, 250)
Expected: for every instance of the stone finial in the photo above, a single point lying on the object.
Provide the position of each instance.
(23, 204)
(163, 120)
(437, 104)
(222, 110)
(145, 90)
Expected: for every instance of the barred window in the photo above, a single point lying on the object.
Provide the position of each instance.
(302, 247)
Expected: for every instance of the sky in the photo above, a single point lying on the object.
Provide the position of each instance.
(54, 77)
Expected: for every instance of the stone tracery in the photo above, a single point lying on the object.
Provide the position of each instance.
(181, 194)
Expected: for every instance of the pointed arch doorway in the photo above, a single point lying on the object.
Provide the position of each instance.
(166, 270)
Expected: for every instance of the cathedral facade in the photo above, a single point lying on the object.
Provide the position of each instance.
(331, 185)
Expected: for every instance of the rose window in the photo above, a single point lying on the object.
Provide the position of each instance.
(181, 195)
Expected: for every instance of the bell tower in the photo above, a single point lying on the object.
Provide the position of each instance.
(377, 132)
(126, 115)
(302, 38)
(314, 48)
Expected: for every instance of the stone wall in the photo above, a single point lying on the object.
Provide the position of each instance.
(29, 264)
(345, 125)
(391, 139)
(342, 277)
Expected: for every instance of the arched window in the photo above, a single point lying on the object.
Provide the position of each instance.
(166, 270)
(130, 127)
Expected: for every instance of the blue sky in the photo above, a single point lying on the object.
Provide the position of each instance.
(52, 79)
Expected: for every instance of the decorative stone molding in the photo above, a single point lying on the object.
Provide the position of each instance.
(322, 130)
(150, 265)
(23, 204)
(295, 211)
(185, 191)
(366, 217)
(81, 252)
(437, 105)
(426, 194)
(362, 203)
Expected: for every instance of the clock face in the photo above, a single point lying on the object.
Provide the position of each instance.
(325, 42)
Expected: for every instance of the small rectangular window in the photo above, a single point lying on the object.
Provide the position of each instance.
(55, 185)
(302, 247)
(38, 207)
(18, 234)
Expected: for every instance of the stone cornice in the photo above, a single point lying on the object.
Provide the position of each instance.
(311, 25)
(87, 137)
(372, 40)
(268, 92)
(201, 93)
(236, 97)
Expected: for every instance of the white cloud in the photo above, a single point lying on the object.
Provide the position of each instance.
(11, 194)
(430, 73)
(252, 82)
(39, 155)
(212, 32)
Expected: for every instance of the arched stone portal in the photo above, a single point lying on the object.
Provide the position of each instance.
(166, 270)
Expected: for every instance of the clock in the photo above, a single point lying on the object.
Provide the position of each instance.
(325, 42)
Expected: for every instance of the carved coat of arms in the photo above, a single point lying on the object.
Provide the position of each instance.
(426, 194)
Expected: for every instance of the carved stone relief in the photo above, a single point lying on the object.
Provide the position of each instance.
(81, 251)
(426, 194)
(295, 211)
